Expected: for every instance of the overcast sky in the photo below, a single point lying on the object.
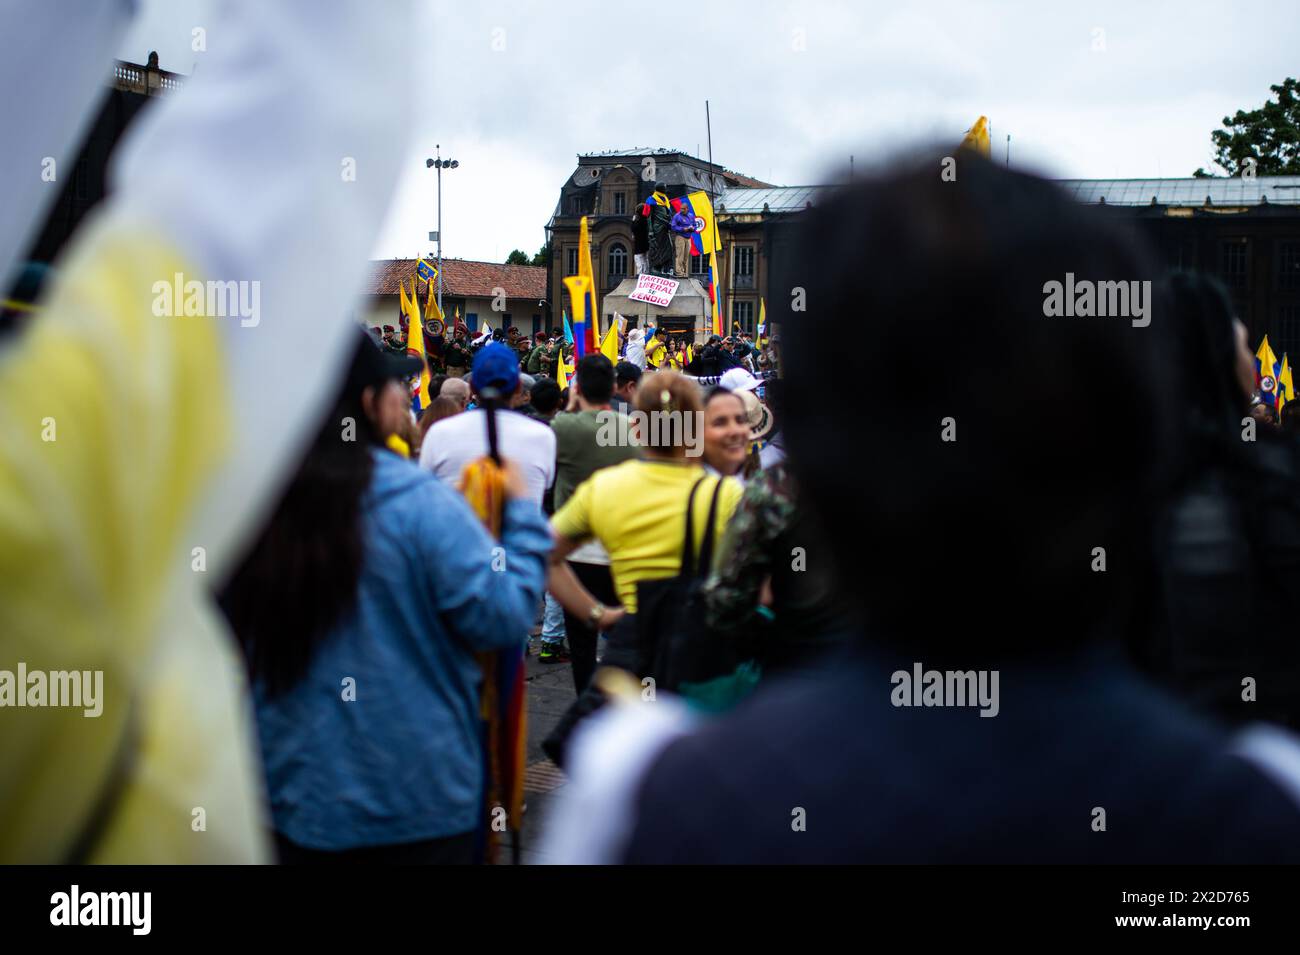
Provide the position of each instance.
(516, 89)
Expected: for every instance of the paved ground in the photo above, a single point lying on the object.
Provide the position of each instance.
(549, 691)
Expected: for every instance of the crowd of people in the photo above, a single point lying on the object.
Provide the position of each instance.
(745, 569)
(540, 356)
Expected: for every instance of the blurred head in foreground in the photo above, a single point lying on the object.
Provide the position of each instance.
(970, 463)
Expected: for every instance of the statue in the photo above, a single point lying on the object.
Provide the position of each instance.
(658, 214)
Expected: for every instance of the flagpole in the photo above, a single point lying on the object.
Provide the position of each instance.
(708, 126)
(438, 148)
(717, 223)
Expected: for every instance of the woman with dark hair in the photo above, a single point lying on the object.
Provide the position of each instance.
(360, 610)
(1229, 548)
(726, 433)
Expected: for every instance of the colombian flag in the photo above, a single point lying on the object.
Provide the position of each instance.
(1266, 373)
(705, 238)
(415, 346)
(712, 288)
(586, 326)
(579, 287)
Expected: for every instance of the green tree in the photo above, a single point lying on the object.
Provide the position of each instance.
(517, 257)
(543, 256)
(1270, 135)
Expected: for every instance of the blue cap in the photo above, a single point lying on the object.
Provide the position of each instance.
(495, 366)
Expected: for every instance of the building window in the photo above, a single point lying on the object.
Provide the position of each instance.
(1288, 266)
(571, 261)
(620, 203)
(1286, 336)
(537, 324)
(699, 264)
(617, 260)
(744, 274)
(579, 205)
(1233, 263)
(742, 314)
(471, 321)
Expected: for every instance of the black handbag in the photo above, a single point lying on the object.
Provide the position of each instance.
(676, 646)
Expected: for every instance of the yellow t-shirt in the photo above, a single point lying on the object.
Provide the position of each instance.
(637, 510)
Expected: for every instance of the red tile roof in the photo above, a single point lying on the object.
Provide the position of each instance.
(463, 278)
(749, 182)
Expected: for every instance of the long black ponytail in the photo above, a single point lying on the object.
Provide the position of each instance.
(301, 575)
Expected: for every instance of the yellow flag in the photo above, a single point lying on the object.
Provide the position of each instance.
(609, 344)
(585, 270)
(977, 137)
(431, 309)
(1285, 390)
(561, 372)
(415, 342)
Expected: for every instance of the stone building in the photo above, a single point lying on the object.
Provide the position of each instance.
(1246, 232)
(131, 87)
(607, 186)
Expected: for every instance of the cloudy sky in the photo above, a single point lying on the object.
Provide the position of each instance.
(514, 90)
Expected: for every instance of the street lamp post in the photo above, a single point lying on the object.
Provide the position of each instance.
(440, 164)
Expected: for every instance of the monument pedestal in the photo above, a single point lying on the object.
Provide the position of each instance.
(686, 315)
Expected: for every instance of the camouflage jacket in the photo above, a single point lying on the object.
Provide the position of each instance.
(749, 552)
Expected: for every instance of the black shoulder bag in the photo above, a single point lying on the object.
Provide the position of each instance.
(677, 646)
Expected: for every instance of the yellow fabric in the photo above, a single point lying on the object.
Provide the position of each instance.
(587, 272)
(578, 286)
(655, 352)
(609, 345)
(562, 372)
(415, 343)
(637, 510)
(1286, 393)
(398, 446)
(977, 137)
(98, 571)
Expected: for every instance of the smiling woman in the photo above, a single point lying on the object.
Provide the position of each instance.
(726, 433)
